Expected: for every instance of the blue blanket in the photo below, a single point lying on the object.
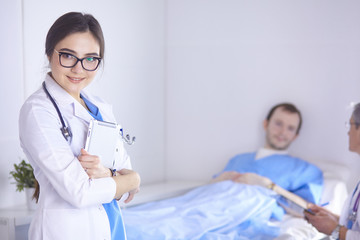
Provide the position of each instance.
(224, 210)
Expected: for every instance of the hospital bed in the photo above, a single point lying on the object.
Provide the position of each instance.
(335, 193)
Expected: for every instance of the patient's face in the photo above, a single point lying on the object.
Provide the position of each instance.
(281, 129)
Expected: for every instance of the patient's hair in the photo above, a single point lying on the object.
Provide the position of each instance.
(356, 114)
(288, 107)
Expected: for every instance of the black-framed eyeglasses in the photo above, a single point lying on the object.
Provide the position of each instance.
(67, 60)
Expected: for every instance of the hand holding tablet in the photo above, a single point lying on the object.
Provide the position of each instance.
(101, 141)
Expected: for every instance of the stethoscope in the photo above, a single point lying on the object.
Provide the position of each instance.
(353, 212)
(66, 132)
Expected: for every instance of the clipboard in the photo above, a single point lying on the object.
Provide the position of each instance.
(101, 141)
(300, 203)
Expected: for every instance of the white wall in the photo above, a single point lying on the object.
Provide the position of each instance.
(229, 61)
(11, 96)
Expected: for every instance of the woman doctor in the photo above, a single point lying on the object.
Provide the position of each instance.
(347, 226)
(78, 195)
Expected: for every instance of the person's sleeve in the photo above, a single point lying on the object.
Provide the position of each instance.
(309, 184)
(352, 235)
(53, 159)
(230, 166)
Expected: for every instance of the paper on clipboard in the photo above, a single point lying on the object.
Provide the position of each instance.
(101, 141)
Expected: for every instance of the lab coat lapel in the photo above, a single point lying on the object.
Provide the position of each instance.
(104, 108)
(81, 112)
(64, 99)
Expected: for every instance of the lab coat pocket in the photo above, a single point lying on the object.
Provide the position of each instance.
(66, 224)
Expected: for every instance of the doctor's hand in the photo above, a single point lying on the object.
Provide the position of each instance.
(127, 181)
(132, 193)
(92, 165)
(253, 179)
(323, 220)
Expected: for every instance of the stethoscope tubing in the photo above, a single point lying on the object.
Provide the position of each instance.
(356, 203)
(65, 130)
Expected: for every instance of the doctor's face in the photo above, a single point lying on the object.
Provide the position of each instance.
(74, 79)
(281, 129)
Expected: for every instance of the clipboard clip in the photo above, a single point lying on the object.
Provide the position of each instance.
(127, 139)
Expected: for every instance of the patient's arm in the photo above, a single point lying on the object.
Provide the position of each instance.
(255, 179)
(246, 178)
(230, 175)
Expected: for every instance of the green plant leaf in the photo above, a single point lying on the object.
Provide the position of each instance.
(23, 175)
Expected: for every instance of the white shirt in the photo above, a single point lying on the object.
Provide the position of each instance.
(264, 152)
(354, 232)
(70, 204)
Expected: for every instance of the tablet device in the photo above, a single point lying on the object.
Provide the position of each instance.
(101, 141)
(294, 207)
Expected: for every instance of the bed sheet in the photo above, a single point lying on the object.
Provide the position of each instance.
(199, 215)
(224, 210)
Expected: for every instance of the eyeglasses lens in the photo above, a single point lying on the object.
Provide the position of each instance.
(88, 63)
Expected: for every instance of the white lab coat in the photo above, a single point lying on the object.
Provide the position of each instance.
(70, 204)
(354, 233)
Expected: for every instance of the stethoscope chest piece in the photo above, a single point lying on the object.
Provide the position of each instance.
(127, 139)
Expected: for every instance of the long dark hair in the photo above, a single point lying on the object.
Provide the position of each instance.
(73, 22)
(67, 24)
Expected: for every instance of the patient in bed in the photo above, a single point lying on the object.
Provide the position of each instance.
(272, 165)
(239, 203)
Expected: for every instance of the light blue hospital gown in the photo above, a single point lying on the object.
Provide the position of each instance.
(293, 174)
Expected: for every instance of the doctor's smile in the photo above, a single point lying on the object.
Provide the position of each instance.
(75, 80)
